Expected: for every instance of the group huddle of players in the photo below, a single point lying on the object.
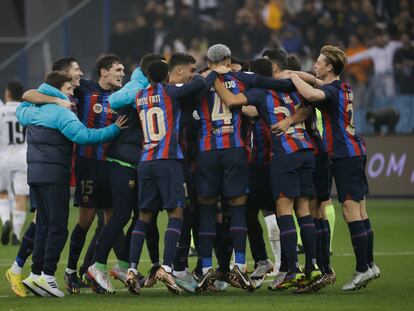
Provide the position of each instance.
(212, 149)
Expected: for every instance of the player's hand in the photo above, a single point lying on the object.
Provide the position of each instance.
(285, 74)
(206, 73)
(64, 103)
(282, 126)
(121, 122)
(222, 69)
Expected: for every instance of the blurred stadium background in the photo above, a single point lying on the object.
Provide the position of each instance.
(33, 33)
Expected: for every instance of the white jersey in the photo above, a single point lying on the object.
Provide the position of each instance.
(13, 144)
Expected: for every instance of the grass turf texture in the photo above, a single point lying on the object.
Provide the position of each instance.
(393, 222)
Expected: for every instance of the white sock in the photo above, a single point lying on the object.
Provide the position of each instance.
(167, 269)
(12, 203)
(205, 270)
(274, 238)
(242, 266)
(19, 218)
(49, 278)
(4, 210)
(179, 274)
(69, 271)
(16, 269)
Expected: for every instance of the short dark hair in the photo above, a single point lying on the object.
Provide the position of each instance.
(15, 89)
(147, 59)
(157, 71)
(178, 59)
(63, 64)
(244, 64)
(293, 63)
(277, 56)
(262, 66)
(57, 79)
(106, 61)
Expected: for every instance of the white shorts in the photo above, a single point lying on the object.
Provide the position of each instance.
(14, 182)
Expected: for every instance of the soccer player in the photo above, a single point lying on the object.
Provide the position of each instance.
(50, 131)
(293, 163)
(348, 155)
(160, 171)
(13, 168)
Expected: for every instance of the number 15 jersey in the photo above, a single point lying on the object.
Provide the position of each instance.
(159, 111)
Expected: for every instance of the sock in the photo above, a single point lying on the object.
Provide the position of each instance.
(330, 213)
(238, 233)
(137, 241)
(288, 241)
(49, 278)
(77, 240)
(308, 234)
(171, 237)
(370, 242)
(274, 238)
(207, 233)
(26, 247)
(123, 264)
(299, 237)
(179, 274)
(319, 254)
(100, 266)
(326, 241)
(217, 243)
(359, 243)
(70, 271)
(4, 210)
(255, 236)
(19, 218)
(153, 239)
(16, 269)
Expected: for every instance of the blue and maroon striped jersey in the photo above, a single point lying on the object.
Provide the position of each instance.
(94, 111)
(159, 111)
(221, 126)
(311, 126)
(338, 114)
(274, 106)
(262, 142)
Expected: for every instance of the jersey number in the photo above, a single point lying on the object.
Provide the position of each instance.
(153, 124)
(17, 133)
(286, 113)
(220, 111)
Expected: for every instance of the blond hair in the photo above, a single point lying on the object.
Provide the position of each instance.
(335, 56)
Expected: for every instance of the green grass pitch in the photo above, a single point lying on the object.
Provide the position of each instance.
(393, 223)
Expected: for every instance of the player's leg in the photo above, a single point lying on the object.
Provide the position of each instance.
(5, 217)
(56, 201)
(348, 174)
(21, 192)
(329, 209)
(208, 181)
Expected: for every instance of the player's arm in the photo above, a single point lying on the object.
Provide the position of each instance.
(254, 80)
(197, 84)
(228, 97)
(70, 126)
(250, 111)
(307, 91)
(299, 116)
(126, 95)
(22, 115)
(35, 97)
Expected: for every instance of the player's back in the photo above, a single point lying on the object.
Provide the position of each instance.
(13, 143)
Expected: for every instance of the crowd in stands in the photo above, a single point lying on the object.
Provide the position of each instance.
(376, 34)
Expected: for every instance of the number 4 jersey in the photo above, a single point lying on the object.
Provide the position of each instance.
(159, 111)
(337, 115)
(13, 144)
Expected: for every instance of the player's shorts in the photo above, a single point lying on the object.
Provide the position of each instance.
(322, 177)
(292, 175)
(14, 182)
(260, 196)
(93, 189)
(223, 169)
(350, 180)
(124, 186)
(160, 181)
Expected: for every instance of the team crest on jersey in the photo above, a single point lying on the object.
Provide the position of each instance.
(131, 183)
(97, 108)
